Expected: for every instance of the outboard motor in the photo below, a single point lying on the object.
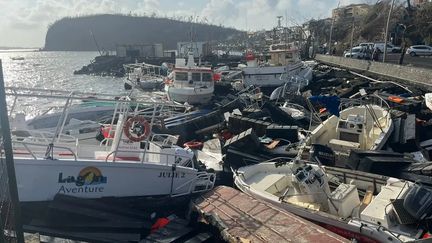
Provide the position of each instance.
(418, 201)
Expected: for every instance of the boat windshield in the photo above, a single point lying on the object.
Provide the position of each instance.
(196, 76)
(181, 76)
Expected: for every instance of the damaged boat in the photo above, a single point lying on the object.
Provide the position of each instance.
(130, 161)
(284, 66)
(189, 83)
(359, 126)
(357, 205)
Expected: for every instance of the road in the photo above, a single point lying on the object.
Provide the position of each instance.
(418, 61)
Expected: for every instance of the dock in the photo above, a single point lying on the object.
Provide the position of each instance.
(241, 218)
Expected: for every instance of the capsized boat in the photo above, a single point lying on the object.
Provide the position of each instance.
(365, 126)
(357, 205)
(189, 83)
(129, 162)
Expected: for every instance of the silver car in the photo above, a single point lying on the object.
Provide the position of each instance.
(419, 50)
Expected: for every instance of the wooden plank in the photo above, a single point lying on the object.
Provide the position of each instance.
(238, 215)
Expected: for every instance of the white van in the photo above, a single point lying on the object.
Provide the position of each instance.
(390, 47)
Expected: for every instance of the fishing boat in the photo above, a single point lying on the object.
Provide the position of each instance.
(129, 162)
(359, 126)
(189, 83)
(283, 67)
(144, 76)
(357, 205)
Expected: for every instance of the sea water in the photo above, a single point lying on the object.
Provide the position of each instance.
(53, 70)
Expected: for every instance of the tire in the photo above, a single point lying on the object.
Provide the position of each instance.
(413, 54)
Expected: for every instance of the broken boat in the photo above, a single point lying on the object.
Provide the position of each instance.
(359, 126)
(130, 161)
(357, 205)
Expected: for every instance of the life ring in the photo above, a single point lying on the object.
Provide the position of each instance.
(193, 145)
(129, 124)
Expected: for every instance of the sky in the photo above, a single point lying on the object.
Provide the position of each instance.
(24, 23)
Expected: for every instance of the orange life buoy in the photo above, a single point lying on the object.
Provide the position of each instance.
(128, 126)
(193, 145)
(396, 99)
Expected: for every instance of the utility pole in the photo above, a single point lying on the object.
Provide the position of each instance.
(386, 32)
(9, 167)
(331, 31)
(352, 36)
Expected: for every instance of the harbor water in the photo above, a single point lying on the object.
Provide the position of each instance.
(53, 70)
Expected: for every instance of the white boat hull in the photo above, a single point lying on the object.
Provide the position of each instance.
(275, 76)
(193, 96)
(41, 180)
(149, 84)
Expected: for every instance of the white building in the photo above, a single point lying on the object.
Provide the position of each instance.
(199, 49)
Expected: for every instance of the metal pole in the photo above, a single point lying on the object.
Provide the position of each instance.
(352, 36)
(386, 32)
(7, 144)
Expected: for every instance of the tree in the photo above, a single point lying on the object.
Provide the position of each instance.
(423, 21)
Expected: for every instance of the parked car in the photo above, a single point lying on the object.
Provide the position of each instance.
(369, 45)
(357, 52)
(390, 47)
(419, 50)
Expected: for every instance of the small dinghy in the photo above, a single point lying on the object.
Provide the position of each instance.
(144, 76)
(357, 205)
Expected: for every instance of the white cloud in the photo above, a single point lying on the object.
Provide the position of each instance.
(24, 22)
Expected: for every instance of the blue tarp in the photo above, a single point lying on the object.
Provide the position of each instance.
(331, 103)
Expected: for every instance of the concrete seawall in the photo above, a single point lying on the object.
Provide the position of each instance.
(420, 76)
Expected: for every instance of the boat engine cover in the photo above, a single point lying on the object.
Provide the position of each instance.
(418, 201)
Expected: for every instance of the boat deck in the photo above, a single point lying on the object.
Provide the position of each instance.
(239, 216)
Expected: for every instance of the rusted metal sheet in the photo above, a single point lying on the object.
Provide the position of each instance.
(241, 218)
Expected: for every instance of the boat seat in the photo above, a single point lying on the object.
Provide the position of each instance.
(379, 209)
(341, 145)
(262, 181)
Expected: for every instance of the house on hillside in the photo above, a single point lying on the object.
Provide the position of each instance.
(350, 11)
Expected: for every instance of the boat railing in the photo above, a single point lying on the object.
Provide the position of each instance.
(251, 97)
(43, 137)
(167, 139)
(51, 155)
(204, 181)
(177, 159)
